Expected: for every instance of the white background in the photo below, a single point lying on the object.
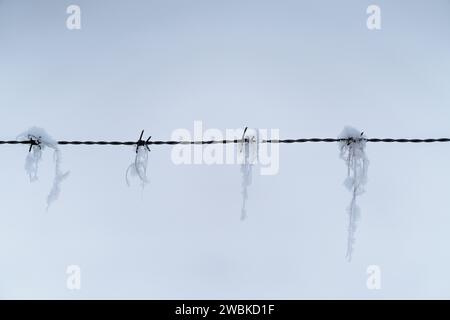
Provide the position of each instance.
(305, 67)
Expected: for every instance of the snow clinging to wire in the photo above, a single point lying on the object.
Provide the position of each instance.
(352, 151)
(32, 161)
(138, 168)
(41, 140)
(248, 150)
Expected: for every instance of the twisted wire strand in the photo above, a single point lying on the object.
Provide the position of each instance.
(201, 142)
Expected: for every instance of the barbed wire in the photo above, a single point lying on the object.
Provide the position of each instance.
(235, 141)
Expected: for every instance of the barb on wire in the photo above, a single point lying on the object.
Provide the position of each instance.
(142, 143)
(39, 139)
(138, 168)
(34, 142)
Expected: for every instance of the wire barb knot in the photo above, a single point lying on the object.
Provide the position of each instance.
(244, 139)
(34, 142)
(351, 140)
(142, 143)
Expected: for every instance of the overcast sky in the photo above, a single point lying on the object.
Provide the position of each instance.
(307, 68)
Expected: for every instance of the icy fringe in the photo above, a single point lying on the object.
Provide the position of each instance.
(34, 157)
(138, 168)
(249, 153)
(352, 151)
(32, 162)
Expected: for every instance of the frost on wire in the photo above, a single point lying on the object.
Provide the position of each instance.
(43, 140)
(352, 150)
(138, 168)
(248, 150)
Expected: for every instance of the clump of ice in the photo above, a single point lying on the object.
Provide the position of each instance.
(352, 147)
(34, 157)
(248, 150)
(138, 168)
(32, 163)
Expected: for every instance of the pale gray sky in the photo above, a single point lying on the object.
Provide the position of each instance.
(307, 68)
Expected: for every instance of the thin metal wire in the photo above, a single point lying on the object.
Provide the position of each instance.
(148, 142)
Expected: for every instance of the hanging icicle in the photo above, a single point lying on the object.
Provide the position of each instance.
(39, 140)
(138, 168)
(352, 150)
(248, 149)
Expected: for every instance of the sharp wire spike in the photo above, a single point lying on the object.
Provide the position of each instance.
(143, 143)
(243, 139)
(34, 141)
